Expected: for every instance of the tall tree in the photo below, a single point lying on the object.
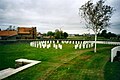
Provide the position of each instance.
(50, 33)
(65, 35)
(96, 16)
(57, 34)
(104, 33)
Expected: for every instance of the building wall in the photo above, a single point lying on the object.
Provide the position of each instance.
(27, 33)
(21, 33)
(8, 35)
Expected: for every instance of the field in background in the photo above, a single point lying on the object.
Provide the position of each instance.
(91, 38)
(65, 64)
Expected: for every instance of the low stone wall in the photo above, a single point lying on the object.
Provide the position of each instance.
(10, 71)
(114, 52)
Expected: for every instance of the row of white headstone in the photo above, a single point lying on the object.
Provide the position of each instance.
(83, 45)
(71, 42)
(45, 44)
(106, 42)
(58, 45)
(79, 44)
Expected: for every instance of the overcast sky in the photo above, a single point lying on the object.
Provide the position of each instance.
(48, 15)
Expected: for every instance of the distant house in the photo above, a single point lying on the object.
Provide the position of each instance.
(8, 35)
(27, 33)
(71, 35)
(39, 35)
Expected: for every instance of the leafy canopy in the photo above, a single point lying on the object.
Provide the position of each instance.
(96, 16)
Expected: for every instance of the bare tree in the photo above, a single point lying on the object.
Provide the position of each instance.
(96, 16)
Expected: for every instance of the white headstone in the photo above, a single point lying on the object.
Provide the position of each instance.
(80, 46)
(75, 42)
(67, 42)
(89, 45)
(37, 45)
(56, 47)
(43, 45)
(60, 46)
(92, 44)
(86, 45)
(83, 46)
(48, 46)
(40, 46)
(57, 41)
(76, 46)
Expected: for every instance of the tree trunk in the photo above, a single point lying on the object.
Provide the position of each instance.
(95, 42)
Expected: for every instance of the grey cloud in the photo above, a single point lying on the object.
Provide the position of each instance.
(45, 14)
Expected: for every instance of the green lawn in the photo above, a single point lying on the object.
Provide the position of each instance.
(65, 64)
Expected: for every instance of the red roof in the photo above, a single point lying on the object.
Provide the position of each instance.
(24, 30)
(8, 33)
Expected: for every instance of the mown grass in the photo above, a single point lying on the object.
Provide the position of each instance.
(87, 66)
(9, 53)
(65, 64)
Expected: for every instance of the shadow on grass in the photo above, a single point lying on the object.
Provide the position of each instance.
(112, 71)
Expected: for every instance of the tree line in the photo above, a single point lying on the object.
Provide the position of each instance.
(107, 35)
(58, 34)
